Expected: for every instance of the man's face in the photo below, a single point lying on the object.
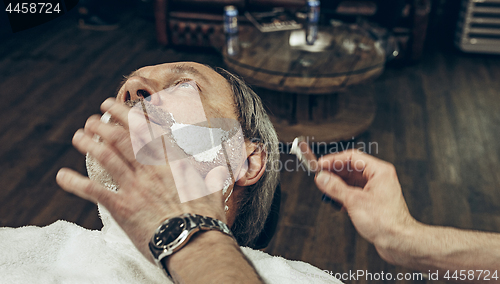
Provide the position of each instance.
(190, 96)
(188, 79)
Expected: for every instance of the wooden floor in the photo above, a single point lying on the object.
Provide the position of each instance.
(437, 121)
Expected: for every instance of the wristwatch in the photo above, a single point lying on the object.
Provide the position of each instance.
(174, 233)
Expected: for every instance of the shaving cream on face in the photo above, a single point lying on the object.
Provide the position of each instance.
(209, 146)
(200, 142)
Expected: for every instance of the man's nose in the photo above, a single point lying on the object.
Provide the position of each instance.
(138, 87)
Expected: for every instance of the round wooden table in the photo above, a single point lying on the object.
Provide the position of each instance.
(302, 86)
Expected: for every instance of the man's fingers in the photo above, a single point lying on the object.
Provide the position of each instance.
(107, 104)
(115, 165)
(188, 181)
(352, 165)
(341, 162)
(77, 184)
(215, 179)
(118, 111)
(113, 135)
(333, 186)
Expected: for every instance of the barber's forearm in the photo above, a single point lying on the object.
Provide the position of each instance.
(211, 257)
(443, 249)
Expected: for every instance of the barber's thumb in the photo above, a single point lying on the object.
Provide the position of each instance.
(214, 181)
(332, 185)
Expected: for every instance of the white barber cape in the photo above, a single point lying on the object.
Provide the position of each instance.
(64, 252)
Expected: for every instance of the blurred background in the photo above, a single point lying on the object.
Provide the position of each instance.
(432, 107)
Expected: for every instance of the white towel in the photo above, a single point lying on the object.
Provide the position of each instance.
(66, 253)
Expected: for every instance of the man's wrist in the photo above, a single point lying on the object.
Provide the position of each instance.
(399, 246)
(202, 238)
(196, 248)
(175, 232)
(207, 254)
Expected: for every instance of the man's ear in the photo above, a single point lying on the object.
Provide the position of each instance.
(256, 166)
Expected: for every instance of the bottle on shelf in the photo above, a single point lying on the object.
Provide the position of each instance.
(231, 30)
(312, 21)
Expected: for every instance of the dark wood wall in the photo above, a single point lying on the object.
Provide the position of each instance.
(438, 121)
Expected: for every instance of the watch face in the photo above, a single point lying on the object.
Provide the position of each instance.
(170, 232)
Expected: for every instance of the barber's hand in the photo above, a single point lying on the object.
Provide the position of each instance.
(147, 194)
(370, 192)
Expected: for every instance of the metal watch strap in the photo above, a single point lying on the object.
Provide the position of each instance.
(208, 223)
(194, 223)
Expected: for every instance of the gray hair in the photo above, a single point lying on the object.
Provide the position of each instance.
(255, 202)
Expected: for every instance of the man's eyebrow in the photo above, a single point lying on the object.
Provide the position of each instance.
(181, 68)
